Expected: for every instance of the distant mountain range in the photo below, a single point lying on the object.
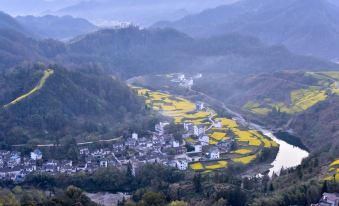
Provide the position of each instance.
(9, 23)
(305, 26)
(62, 28)
(133, 51)
(140, 12)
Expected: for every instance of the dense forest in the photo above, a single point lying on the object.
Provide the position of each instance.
(84, 106)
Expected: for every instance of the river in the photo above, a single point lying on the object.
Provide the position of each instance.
(288, 155)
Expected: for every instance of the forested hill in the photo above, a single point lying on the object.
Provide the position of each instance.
(132, 51)
(304, 26)
(64, 103)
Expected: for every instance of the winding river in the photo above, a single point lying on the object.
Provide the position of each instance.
(288, 155)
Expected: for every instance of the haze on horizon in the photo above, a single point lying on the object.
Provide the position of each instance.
(104, 12)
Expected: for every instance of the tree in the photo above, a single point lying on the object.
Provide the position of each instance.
(197, 183)
(153, 199)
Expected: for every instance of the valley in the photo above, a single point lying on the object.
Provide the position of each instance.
(250, 140)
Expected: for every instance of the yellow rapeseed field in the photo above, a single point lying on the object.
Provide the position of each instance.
(41, 83)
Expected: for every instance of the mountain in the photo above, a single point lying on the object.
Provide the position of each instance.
(43, 104)
(132, 51)
(16, 48)
(62, 28)
(304, 26)
(9, 23)
(166, 50)
(141, 12)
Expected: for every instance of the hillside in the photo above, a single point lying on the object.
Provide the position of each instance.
(300, 101)
(135, 51)
(44, 105)
(62, 28)
(304, 26)
(9, 23)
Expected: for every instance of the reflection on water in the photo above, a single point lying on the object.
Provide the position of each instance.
(288, 155)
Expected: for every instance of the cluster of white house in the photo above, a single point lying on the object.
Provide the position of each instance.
(160, 147)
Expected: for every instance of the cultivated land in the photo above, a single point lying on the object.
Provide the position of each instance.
(326, 84)
(39, 86)
(333, 171)
(249, 143)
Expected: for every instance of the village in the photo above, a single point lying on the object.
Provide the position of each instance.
(159, 147)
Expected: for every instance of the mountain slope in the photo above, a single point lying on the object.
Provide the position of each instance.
(63, 28)
(305, 26)
(133, 51)
(166, 50)
(303, 102)
(80, 104)
(9, 23)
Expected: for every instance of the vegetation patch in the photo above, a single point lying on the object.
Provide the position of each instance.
(39, 86)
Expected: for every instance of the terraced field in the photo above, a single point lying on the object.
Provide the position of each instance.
(333, 171)
(39, 86)
(301, 99)
(249, 142)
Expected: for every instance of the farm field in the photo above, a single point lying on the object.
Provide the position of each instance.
(250, 142)
(333, 171)
(39, 86)
(301, 99)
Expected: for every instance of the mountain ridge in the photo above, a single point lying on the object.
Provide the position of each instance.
(305, 27)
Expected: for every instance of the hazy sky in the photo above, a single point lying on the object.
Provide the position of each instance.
(15, 7)
(102, 12)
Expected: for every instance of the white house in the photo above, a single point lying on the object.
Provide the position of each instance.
(103, 163)
(214, 153)
(197, 148)
(182, 164)
(160, 128)
(135, 136)
(188, 126)
(217, 124)
(200, 105)
(175, 143)
(36, 155)
(329, 199)
(181, 77)
(198, 130)
(204, 140)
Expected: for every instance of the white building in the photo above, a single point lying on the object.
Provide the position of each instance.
(135, 136)
(36, 155)
(175, 143)
(198, 130)
(217, 124)
(198, 148)
(214, 153)
(103, 163)
(188, 126)
(204, 140)
(181, 77)
(160, 128)
(182, 164)
(200, 105)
